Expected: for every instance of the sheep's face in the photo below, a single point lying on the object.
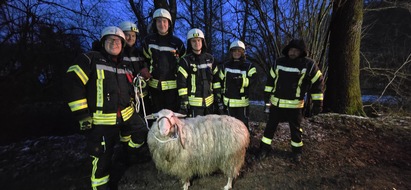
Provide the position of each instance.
(165, 122)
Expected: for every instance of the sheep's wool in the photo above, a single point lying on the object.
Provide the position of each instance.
(212, 142)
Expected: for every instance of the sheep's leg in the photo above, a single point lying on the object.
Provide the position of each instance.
(186, 184)
(229, 183)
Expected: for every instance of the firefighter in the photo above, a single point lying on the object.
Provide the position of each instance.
(197, 79)
(291, 77)
(236, 75)
(100, 94)
(134, 56)
(162, 51)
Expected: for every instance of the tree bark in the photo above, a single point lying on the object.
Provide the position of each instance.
(343, 93)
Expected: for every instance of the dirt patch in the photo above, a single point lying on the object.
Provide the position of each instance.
(340, 152)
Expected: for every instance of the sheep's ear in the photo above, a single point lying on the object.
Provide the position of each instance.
(179, 115)
(152, 116)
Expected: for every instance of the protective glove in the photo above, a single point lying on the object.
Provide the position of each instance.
(221, 108)
(317, 107)
(184, 105)
(267, 108)
(145, 73)
(86, 123)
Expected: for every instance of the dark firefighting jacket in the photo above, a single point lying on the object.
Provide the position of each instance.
(235, 81)
(197, 79)
(134, 57)
(100, 88)
(162, 54)
(290, 80)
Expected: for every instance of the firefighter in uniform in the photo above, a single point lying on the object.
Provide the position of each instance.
(162, 51)
(197, 79)
(291, 78)
(100, 94)
(236, 75)
(134, 56)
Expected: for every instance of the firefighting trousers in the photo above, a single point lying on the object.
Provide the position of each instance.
(164, 99)
(241, 113)
(195, 111)
(100, 145)
(293, 117)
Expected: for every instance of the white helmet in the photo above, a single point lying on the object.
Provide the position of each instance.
(195, 33)
(162, 13)
(113, 30)
(237, 43)
(128, 26)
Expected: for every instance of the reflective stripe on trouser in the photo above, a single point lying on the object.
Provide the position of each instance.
(243, 102)
(130, 143)
(294, 119)
(99, 182)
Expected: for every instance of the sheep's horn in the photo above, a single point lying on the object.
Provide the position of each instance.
(182, 135)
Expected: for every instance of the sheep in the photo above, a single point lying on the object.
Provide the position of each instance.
(197, 146)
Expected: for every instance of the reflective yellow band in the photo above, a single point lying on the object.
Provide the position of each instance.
(193, 83)
(182, 91)
(165, 85)
(266, 140)
(134, 145)
(79, 72)
(246, 82)
(272, 73)
(198, 101)
(95, 182)
(300, 81)
(317, 75)
(221, 74)
(295, 144)
(104, 118)
(127, 112)
(232, 103)
(125, 138)
(78, 105)
(100, 88)
(111, 118)
(317, 96)
(268, 88)
(183, 72)
(284, 103)
(216, 85)
(252, 71)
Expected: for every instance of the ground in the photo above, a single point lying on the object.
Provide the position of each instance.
(340, 152)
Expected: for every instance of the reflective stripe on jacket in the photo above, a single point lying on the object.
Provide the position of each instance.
(197, 79)
(99, 88)
(162, 54)
(235, 79)
(290, 80)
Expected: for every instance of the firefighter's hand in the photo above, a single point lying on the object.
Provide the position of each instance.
(267, 108)
(317, 107)
(221, 108)
(183, 107)
(86, 123)
(145, 73)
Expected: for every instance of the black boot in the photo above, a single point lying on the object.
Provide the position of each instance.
(264, 150)
(297, 154)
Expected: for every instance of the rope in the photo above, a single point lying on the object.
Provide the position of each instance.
(139, 84)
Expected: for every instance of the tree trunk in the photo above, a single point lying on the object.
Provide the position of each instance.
(343, 93)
